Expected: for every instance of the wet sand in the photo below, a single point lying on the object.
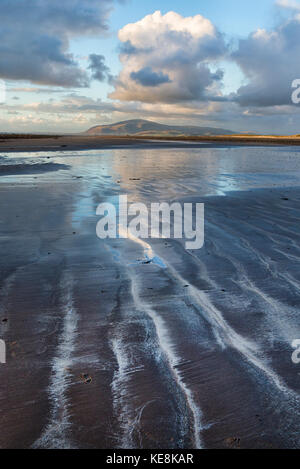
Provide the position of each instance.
(107, 351)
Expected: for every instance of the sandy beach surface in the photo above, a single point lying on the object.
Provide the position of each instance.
(11, 143)
(122, 344)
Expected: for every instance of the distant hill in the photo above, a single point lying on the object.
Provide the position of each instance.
(144, 127)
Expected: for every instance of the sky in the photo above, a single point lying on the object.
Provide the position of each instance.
(67, 66)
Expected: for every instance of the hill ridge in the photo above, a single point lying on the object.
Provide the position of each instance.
(146, 127)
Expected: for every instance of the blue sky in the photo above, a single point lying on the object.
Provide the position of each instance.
(231, 67)
(232, 16)
(235, 18)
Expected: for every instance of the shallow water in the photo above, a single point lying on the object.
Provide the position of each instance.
(169, 172)
(192, 349)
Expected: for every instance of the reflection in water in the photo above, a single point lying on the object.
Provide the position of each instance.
(142, 343)
(167, 173)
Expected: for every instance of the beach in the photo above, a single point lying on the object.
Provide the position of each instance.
(120, 344)
(11, 143)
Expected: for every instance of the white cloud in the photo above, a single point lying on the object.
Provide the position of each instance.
(166, 59)
(289, 4)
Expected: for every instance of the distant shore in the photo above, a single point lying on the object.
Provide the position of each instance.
(19, 142)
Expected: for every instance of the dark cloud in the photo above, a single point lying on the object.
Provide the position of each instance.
(70, 104)
(147, 77)
(127, 48)
(100, 70)
(35, 35)
(269, 60)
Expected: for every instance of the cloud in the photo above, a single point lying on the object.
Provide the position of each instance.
(269, 60)
(35, 37)
(36, 90)
(289, 4)
(100, 71)
(76, 113)
(70, 104)
(170, 69)
(146, 77)
(166, 59)
(72, 113)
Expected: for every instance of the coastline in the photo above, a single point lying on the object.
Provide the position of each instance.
(36, 143)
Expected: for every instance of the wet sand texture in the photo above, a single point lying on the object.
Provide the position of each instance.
(106, 350)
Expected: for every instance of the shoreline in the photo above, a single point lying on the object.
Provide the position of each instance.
(35, 143)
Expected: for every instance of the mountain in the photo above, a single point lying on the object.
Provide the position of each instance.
(144, 127)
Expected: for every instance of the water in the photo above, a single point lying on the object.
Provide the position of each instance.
(169, 172)
(190, 350)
